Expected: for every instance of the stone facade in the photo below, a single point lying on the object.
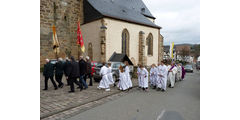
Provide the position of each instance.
(64, 14)
(141, 48)
(160, 47)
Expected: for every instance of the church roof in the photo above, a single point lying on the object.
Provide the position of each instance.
(134, 11)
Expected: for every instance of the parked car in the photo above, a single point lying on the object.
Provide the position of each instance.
(115, 70)
(198, 65)
(95, 64)
(188, 68)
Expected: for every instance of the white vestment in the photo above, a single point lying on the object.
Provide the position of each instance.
(104, 83)
(110, 77)
(144, 78)
(128, 76)
(171, 75)
(179, 73)
(123, 83)
(138, 72)
(153, 76)
(162, 79)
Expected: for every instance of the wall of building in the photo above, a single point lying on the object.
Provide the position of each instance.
(64, 14)
(91, 33)
(114, 39)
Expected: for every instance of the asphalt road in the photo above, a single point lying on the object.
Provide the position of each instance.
(179, 103)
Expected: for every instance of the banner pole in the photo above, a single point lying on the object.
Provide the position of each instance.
(78, 51)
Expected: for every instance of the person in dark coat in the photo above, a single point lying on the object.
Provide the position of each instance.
(48, 72)
(67, 65)
(89, 71)
(59, 67)
(73, 74)
(83, 71)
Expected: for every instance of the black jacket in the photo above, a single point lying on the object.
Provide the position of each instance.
(67, 65)
(48, 70)
(82, 67)
(89, 67)
(59, 67)
(73, 70)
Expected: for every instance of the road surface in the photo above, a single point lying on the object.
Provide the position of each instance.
(179, 103)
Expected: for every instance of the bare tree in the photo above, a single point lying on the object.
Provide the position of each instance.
(184, 52)
(196, 51)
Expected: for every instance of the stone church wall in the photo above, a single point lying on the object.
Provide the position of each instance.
(64, 14)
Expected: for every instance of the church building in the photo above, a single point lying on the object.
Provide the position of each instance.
(108, 26)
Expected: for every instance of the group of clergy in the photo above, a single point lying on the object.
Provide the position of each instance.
(164, 75)
(161, 76)
(125, 82)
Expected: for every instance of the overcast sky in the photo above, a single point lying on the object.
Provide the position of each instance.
(179, 19)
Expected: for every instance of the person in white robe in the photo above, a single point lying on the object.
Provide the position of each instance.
(158, 76)
(127, 70)
(171, 74)
(153, 76)
(168, 78)
(179, 72)
(104, 83)
(138, 73)
(163, 72)
(122, 84)
(144, 78)
(109, 74)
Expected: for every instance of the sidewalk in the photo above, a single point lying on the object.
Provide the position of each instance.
(56, 101)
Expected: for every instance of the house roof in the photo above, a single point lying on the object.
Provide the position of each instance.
(119, 57)
(126, 10)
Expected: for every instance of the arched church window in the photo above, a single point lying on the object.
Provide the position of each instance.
(125, 42)
(150, 44)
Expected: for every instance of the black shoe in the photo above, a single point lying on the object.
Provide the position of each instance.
(114, 85)
(90, 85)
(70, 91)
(45, 89)
(79, 88)
(55, 88)
(61, 86)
